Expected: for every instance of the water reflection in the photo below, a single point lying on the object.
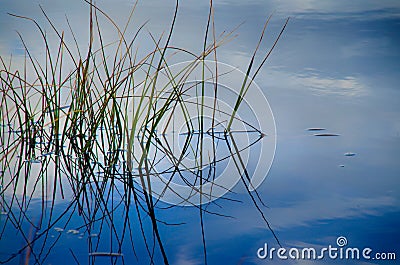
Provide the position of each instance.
(98, 163)
(336, 68)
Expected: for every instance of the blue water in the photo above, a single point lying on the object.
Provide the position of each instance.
(336, 67)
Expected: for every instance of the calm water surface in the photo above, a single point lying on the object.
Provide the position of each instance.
(336, 67)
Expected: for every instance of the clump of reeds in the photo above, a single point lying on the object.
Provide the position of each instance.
(90, 134)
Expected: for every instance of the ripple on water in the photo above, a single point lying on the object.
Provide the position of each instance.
(326, 134)
(315, 129)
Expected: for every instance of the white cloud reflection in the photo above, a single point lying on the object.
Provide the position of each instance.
(183, 257)
(303, 213)
(326, 208)
(329, 9)
(316, 82)
(346, 86)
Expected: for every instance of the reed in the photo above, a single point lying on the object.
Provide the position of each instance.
(89, 127)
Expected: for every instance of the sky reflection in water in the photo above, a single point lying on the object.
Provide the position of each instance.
(336, 67)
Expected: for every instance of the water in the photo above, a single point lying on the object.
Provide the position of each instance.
(335, 68)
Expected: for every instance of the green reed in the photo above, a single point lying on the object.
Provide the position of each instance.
(81, 121)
